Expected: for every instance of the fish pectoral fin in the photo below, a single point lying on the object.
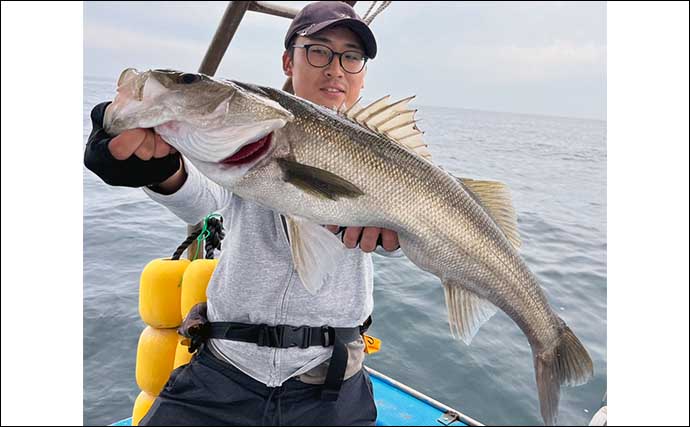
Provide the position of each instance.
(317, 181)
(315, 252)
(495, 198)
(467, 311)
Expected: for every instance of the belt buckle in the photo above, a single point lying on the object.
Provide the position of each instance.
(263, 338)
(294, 336)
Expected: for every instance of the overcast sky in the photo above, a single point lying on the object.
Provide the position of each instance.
(523, 57)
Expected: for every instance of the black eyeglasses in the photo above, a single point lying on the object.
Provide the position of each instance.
(321, 56)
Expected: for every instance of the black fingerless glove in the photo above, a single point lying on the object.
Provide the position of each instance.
(131, 172)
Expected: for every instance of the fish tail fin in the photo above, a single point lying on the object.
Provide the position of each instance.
(566, 363)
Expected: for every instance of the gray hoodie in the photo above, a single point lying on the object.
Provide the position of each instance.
(255, 282)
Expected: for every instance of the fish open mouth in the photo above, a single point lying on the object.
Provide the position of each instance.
(249, 152)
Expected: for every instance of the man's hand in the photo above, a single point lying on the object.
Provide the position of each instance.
(135, 158)
(367, 237)
(143, 143)
(146, 145)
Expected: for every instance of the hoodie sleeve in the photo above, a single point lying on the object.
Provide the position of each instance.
(197, 197)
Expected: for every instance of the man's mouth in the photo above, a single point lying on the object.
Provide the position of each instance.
(249, 152)
(332, 90)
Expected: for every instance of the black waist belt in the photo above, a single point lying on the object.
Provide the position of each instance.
(286, 336)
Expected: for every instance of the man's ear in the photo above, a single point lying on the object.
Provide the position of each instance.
(287, 64)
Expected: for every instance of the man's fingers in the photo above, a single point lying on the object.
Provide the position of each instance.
(144, 143)
(126, 143)
(389, 238)
(162, 148)
(172, 149)
(351, 236)
(369, 237)
(147, 148)
(332, 228)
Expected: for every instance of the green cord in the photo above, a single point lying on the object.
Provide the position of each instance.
(204, 233)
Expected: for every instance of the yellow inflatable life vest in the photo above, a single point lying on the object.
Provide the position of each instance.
(160, 291)
(155, 358)
(141, 406)
(182, 354)
(168, 290)
(194, 283)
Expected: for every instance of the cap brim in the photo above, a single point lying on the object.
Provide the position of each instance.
(358, 27)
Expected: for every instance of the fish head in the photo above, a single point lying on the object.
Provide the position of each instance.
(222, 128)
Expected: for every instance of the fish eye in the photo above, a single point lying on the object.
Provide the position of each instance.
(189, 78)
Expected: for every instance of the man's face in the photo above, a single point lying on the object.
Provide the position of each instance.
(330, 86)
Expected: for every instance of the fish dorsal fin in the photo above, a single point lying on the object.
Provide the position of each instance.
(316, 252)
(467, 311)
(494, 197)
(391, 119)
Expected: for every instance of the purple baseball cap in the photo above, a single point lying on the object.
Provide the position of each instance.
(318, 16)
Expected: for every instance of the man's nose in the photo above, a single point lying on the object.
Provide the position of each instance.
(334, 69)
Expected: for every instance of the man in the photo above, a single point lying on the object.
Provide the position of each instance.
(245, 382)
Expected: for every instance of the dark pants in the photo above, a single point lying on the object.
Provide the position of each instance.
(209, 392)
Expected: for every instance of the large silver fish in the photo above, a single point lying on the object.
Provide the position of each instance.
(360, 167)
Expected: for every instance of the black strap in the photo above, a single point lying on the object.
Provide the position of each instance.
(337, 366)
(282, 336)
(286, 336)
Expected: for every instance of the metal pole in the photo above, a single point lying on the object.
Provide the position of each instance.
(221, 40)
(273, 9)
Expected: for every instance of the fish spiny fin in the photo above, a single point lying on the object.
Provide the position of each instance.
(495, 198)
(384, 114)
(362, 115)
(316, 252)
(393, 120)
(467, 311)
(353, 109)
(317, 181)
(397, 127)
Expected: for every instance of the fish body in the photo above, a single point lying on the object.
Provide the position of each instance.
(356, 167)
